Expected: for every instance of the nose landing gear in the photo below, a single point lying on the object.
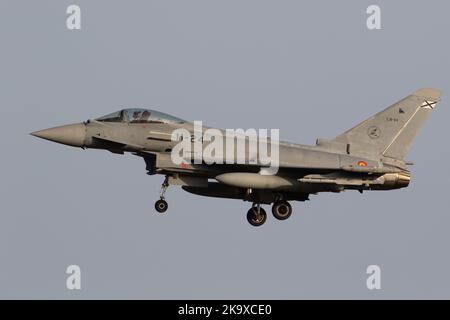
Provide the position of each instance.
(161, 205)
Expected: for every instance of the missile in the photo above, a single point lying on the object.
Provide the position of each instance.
(367, 169)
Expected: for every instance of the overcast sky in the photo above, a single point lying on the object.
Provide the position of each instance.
(310, 68)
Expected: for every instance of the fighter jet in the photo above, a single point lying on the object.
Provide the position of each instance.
(369, 156)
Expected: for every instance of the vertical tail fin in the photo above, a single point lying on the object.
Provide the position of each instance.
(390, 132)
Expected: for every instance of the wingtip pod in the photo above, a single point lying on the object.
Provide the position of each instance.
(428, 93)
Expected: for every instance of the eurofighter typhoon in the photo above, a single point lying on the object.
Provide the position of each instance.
(369, 156)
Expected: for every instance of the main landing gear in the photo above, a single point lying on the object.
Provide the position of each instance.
(256, 216)
(281, 210)
(161, 205)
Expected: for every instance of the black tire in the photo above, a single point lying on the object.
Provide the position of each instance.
(281, 210)
(256, 219)
(161, 206)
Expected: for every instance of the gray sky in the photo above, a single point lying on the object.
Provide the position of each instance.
(310, 68)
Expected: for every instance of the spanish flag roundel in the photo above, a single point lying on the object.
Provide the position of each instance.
(362, 163)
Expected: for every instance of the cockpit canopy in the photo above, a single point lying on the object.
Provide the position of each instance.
(139, 115)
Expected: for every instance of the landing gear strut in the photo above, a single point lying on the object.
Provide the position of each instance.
(256, 216)
(161, 205)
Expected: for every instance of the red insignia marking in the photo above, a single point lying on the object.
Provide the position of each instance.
(362, 163)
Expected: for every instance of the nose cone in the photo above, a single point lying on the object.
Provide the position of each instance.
(71, 135)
